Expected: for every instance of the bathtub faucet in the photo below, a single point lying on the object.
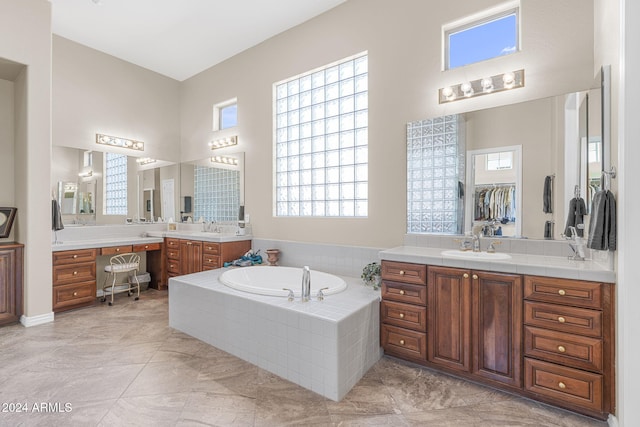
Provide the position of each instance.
(306, 284)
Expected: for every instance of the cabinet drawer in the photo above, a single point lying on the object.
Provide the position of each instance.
(567, 349)
(115, 250)
(404, 315)
(76, 273)
(564, 384)
(404, 343)
(404, 292)
(211, 248)
(564, 319)
(210, 262)
(404, 272)
(143, 247)
(72, 257)
(173, 266)
(69, 296)
(173, 253)
(172, 243)
(563, 291)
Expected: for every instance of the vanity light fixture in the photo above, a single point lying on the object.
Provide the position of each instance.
(115, 141)
(86, 174)
(224, 142)
(484, 86)
(145, 160)
(225, 160)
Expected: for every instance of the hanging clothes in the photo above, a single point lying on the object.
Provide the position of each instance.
(56, 217)
(602, 227)
(547, 195)
(577, 211)
(495, 202)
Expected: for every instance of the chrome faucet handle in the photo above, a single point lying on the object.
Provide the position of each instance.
(465, 245)
(290, 297)
(320, 294)
(492, 246)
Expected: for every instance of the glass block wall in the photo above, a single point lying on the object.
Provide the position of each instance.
(216, 194)
(435, 175)
(115, 184)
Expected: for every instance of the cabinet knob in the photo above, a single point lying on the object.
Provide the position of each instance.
(75, 294)
(401, 342)
(75, 256)
(562, 385)
(402, 315)
(171, 266)
(561, 319)
(475, 277)
(562, 292)
(189, 243)
(561, 349)
(75, 273)
(465, 275)
(210, 260)
(402, 292)
(146, 246)
(402, 272)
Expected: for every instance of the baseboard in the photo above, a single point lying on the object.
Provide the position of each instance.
(28, 321)
(612, 421)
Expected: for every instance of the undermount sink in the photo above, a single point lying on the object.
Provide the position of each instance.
(454, 253)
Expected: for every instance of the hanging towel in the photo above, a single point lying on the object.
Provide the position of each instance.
(577, 211)
(56, 217)
(547, 195)
(602, 227)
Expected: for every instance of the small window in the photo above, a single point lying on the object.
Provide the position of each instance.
(500, 161)
(483, 38)
(225, 115)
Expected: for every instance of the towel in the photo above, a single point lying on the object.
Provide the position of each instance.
(547, 195)
(56, 217)
(577, 211)
(548, 230)
(602, 227)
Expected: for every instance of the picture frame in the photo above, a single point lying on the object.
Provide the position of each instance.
(7, 215)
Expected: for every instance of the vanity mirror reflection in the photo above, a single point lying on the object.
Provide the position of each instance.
(559, 138)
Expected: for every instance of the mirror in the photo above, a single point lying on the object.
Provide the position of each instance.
(68, 197)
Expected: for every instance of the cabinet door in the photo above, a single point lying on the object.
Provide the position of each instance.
(190, 256)
(449, 317)
(497, 327)
(10, 285)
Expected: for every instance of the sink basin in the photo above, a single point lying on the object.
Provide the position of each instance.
(454, 253)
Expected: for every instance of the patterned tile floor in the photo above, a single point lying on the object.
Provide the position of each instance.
(123, 365)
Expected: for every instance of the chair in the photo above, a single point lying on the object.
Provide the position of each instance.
(124, 263)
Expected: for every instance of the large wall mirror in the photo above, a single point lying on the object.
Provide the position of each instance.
(562, 140)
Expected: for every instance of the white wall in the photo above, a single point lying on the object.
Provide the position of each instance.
(7, 197)
(403, 41)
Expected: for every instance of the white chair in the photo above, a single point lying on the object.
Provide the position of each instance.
(128, 263)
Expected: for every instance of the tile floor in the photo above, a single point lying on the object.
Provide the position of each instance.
(123, 365)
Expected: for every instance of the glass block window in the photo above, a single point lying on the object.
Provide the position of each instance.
(115, 184)
(321, 142)
(435, 175)
(216, 194)
(489, 36)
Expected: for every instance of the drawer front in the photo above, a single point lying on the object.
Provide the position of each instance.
(563, 291)
(566, 349)
(73, 257)
(68, 296)
(173, 266)
(172, 243)
(404, 272)
(143, 247)
(210, 262)
(404, 315)
(82, 272)
(404, 292)
(173, 253)
(564, 384)
(211, 248)
(404, 343)
(564, 319)
(115, 250)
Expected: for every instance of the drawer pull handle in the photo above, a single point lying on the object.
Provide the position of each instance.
(402, 292)
(75, 294)
(561, 319)
(562, 292)
(401, 342)
(562, 385)
(402, 315)
(210, 260)
(189, 243)
(75, 273)
(402, 272)
(75, 256)
(561, 349)
(475, 277)
(465, 275)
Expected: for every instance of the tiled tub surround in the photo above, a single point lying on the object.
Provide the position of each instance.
(324, 346)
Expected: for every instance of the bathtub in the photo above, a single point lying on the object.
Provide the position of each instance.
(270, 280)
(325, 346)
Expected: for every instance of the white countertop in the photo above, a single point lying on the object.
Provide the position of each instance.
(550, 266)
(205, 236)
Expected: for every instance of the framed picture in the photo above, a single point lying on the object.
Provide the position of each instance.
(7, 215)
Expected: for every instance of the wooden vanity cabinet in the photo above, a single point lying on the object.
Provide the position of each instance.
(190, 256)
(186, 256)
(74, 279)
(474, 323)
(11, 257)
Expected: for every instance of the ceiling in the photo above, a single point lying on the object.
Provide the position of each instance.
(179, 38)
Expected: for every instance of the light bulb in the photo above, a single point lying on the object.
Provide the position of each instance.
(509, 80)
(467, 89)
(447, 92)
(487, 84)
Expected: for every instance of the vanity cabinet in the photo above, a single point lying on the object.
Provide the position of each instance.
(186, 256)
(475, 323)
(11, 257)
(74, 279)
(568, 343)
(190, 256)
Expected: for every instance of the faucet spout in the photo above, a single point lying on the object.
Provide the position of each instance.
(306, 284)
